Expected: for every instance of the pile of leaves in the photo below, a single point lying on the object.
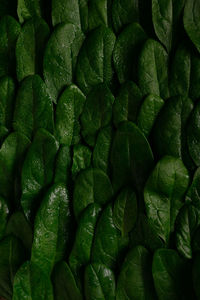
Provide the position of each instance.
(100, 149)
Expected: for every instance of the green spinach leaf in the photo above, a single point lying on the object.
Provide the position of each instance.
(27, 9)
(7, 101)
(81, 159)
(63, 165)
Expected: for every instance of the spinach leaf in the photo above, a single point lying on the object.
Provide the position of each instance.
(148, 113)
(94, 65)
(191, 21)
(171, 275)
(33, 107)
(37, 171)
(80, 254)
(63, 165)
(91, 185)
(4, 211)
(98, 13)
(65, 287)
(135, 279)
(12, 255)
(193, 136)
(19, 226)
(125, 211)
(108, 245)
(164, 194)
(27, 278)
(33, 36)
(144, 234)
(124, 12)
(60, 58)
(68, 111)
(81, 159)
(131, 157)
(193, 192)
(52, 229)
(102, 148)
(12, 154)
(7, 98)
(186, 224)
(126, 51)
(153, 70)
(169, 134)
(166, 18)
(97, 112)
(99, 282)
(10, 30)
(127, 103)
(27, 9)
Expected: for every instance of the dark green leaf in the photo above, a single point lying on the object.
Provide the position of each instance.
(12, 255)
(164, 194)
(153, 70)
(80, 254)
(186, 224)
(7, 98)
(126, 51)
(135, 280)
(60, 58)
(33, 108)
(52, 229)
(94, 64)
(38, 170)
(30, 47)
(19, 226)
(10, 30)
(92, 185)
(63, 165)
(27, 9)
(102, 148)
(148, 113)
(131, 157)
(108, 246)
(68, 110)
(81, 159)
(125, 211)
(99, 282)
(97, 112)
(65, 287)
(127, 103)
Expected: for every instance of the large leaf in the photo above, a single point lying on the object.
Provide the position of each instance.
(12, 255)
(191, 21)
(33, 36)
(29, 277)
(124, 12)
(94, 64)
(153, 70)
(7, 100)
(131, 157)
(33, 107)
(97, 112)
(148, 113)
(52, 229)
(12, 154)
(187, 222)
(37, 171)
(80, 254)
(126, 51)
(125, 211)
(68, 110)
(108, 246)
(10, 30)
(172, 276)
(91, 185)
(127, 103)
(81, 159)
(135, 280)
(164, 194)
(169, 134)
(65, 287)
(60, 58)
(99, 282)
